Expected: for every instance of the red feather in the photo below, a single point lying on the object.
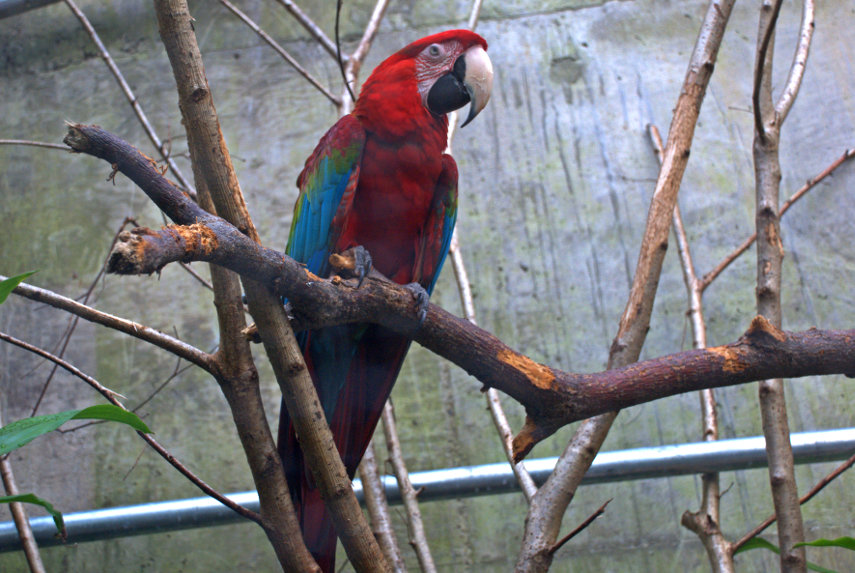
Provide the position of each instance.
(401, 210)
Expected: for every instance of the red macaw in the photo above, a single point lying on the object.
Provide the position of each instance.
(378, 179)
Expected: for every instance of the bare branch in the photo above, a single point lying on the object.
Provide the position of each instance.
(368, 36)
(705, 522)
(820, 485)
(548, 507)
(810, 184)
(33, 143)
(212, 162)
(132, 99)
(762, 103)
(474, 14)
(310, 26)
(552, 397)
(770, 255)
(578, 529)
(378, 509)
(503, 427)
(164, 453)
(418, 538)
(281, 51)
(797, 68)
(19, 515)
(135, 329)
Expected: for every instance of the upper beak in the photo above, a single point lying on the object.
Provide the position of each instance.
(470, 81)
(478, 80)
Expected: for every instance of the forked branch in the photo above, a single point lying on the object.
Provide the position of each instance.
(552, 398)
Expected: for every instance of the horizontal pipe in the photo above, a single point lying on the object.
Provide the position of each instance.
(12, 7)
(490, 479)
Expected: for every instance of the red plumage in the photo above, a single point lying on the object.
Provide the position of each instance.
(379, 179)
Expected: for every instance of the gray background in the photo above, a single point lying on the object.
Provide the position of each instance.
(556, 175)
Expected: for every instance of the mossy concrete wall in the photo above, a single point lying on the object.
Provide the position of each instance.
(556, 175)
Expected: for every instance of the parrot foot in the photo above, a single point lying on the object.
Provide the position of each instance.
(422, 299)
(356, 260)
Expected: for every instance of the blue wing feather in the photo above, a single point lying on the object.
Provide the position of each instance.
(326, 187)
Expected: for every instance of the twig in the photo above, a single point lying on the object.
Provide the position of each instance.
(590, 519)
(371, 28)
(474, 14)
(72, 324)
(33, 143)
(810, 184)
(132, 99)
(201, 280)
(819, 486)
(177, 372)
(464, 288)
(19, 515)
(497, 412)
(164, 453)
(338, 57)
(148, 334)
(310, 26)
(767, 30)
(418, 538)
(797, 68)
(281, 51)
(378, 509)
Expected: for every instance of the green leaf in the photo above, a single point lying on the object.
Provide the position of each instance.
(21, 432)
(844, 542)
(32, 498)
(9, 284)
(759, 542)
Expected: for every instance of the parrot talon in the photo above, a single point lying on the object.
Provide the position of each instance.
(422, 299)
(356, 261)
(362, 263)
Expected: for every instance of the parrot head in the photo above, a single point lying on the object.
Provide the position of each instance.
(435, 75)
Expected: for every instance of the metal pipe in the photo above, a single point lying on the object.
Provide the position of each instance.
(490, 479)
(12, 7)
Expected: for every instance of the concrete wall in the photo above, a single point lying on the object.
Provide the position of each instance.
(556, 175)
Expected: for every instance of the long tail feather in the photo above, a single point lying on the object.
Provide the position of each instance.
(356, 407)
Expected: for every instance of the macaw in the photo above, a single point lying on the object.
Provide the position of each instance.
(379, 179)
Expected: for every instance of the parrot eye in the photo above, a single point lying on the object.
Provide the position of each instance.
(434, 50)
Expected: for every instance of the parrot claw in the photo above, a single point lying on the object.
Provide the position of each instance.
(422, 299)
(362, 262)
(355, 260)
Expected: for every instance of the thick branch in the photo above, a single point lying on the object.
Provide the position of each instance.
(547, 509)
(220, 192)
(211, 154)
(770, 255)
(552, 397)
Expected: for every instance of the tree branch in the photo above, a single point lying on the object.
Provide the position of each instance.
(552, 397)
(213, 162)
(281, 51)
(418, 537)
(378, 509)
(129, 94)
(19, 515)
(544, 520)
(704, 522)
(110, 396)
(770, 255)
(310, 27)
(135, 329)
